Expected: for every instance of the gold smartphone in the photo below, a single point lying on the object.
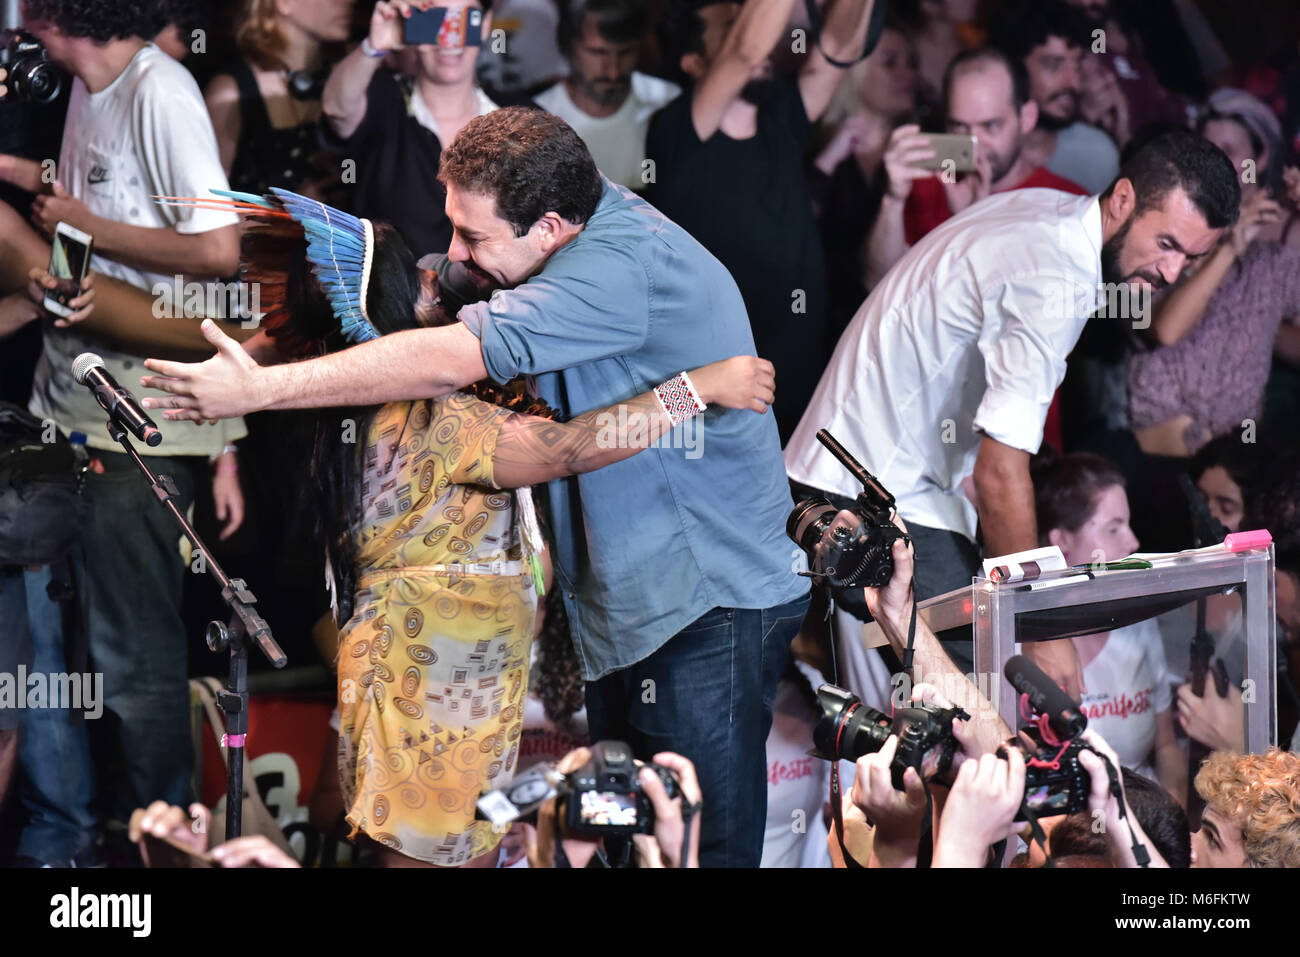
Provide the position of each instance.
(960, 150)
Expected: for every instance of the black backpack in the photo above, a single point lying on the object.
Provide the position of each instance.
(42, 501)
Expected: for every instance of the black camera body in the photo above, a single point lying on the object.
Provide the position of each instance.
(33, 78)
(847, 552)
(1055, 781)
(848, 729)
(605, 796)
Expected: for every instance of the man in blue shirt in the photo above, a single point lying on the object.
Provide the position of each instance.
(680, 584)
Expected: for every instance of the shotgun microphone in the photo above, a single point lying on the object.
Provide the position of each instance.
(1046, 697)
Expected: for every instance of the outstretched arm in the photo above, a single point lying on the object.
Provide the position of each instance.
(844, 36)
(891, 606)
(532, 450)
(414, 363)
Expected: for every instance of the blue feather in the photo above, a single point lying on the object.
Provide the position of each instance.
(242, 197)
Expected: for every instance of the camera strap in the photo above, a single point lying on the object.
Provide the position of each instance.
(837, 817)
(688, 814)
(909, 648)
(1037, 834)
(1140, 853)
(562, 859)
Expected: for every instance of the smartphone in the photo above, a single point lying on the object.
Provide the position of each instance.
(960, 150)
(452, 29)
(69, 260)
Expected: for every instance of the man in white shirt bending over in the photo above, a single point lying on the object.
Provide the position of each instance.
(947, 370)
(603, 98)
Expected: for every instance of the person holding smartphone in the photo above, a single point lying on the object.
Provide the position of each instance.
(395, 102)
(19, 308)
(942, 383)
(986, 98)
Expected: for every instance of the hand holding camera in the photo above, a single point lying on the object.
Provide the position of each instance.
(1123, 832)
(664, 848)
(908, 148)
(897, 816)
(968, 746)
(602, 791)
(980, 809)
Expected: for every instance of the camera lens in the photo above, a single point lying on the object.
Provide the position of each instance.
(848, 729)
(808, 520)
(38, 83)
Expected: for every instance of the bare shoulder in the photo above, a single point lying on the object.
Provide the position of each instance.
(222, 91)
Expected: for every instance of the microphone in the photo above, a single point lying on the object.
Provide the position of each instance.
(1046, 697)
(88, 369)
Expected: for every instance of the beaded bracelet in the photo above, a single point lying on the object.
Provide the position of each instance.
(678, 398)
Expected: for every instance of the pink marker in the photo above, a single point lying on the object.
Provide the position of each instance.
(1240, 541)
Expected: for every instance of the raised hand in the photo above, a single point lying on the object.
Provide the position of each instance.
(1256, 213)
(981, 807)
(907, 147)
(969, 189)
(388, 21)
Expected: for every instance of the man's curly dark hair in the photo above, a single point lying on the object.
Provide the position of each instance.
(101, 20)
(1028, 24)
(530, 161)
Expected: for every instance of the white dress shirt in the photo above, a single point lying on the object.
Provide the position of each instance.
(966, 336)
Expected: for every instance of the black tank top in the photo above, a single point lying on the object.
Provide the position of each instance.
(266, 156)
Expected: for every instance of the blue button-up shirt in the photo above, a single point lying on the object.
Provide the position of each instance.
(646, 546)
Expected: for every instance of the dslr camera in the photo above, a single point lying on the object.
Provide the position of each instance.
(848, 729)
(1055, 781)
(603, 797)
(854, 550)
(32, 78)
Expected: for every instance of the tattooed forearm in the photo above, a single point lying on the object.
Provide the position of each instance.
(532, 450)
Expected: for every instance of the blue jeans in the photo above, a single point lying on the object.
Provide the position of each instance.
(129, 574)
(15, 643)
(707, 694)
(58, 788)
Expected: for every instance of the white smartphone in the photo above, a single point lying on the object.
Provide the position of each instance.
(69, 260)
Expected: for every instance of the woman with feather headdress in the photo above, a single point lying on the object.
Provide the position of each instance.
(432, 540)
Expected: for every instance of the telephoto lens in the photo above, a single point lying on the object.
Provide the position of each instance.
(848, 729)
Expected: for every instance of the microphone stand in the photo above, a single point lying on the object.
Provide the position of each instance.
(245, 624)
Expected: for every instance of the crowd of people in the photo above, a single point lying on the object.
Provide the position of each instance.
(550, 299)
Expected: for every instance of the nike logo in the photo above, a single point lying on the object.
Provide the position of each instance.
(98, 174)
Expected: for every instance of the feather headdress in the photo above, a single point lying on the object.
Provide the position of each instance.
(340, 251)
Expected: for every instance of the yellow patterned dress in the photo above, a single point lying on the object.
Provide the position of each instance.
(433, 663)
